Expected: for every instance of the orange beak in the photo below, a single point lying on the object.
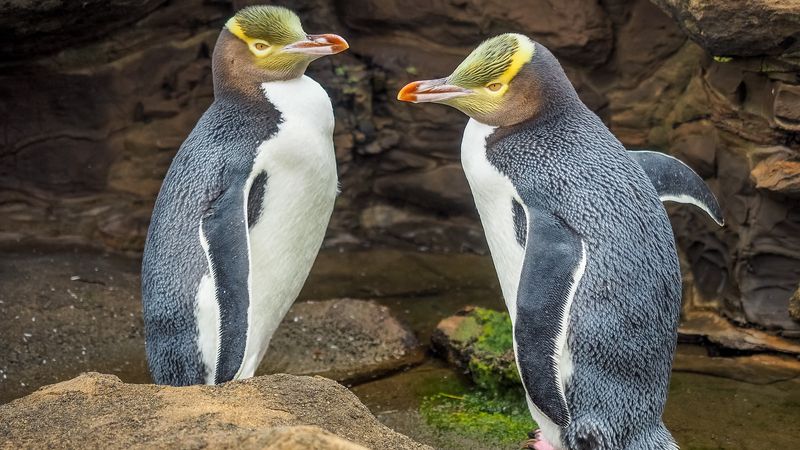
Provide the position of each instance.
(318, 45)
(430, 91)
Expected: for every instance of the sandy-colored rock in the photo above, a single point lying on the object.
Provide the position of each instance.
(284, 411)
(290, 438)
(786, 106)
(778, 174)
(345, 339)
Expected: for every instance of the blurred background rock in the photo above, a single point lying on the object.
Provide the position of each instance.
(97, 96)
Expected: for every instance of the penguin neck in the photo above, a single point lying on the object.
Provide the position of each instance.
(236, 76)
(556, 114)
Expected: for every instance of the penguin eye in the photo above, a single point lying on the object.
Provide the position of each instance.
(494, 87)
(260, 46)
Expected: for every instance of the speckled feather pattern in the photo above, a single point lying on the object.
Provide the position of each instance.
(624, 316)
(217, 154)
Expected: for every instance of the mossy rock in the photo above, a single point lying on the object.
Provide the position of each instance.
(479, 341)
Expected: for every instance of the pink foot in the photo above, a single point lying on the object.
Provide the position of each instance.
(537, 442)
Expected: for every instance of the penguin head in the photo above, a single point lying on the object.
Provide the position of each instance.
(506, 80)
(276, 42)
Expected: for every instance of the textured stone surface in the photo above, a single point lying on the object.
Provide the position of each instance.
(273, 411)
(347, 340)
(778, 174)
(794, 305)
(741, 28)
(92, 121)
(33, 27)
(753, 369)
(710, 326)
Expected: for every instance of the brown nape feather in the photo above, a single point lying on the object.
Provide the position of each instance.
(237, 73)
(541, 88)
(522, 101)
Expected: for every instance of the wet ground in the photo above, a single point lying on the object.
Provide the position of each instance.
(64, 311)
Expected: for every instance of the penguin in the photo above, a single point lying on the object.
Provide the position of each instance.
(581, 243)
(244, 206)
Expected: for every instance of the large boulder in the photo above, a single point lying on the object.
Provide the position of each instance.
(274, 411)
(740, 28)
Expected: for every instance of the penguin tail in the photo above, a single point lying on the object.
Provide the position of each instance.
(586, 434)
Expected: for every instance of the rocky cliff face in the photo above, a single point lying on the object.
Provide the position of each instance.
(97, 99)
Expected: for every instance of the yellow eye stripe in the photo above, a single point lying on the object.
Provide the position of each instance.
(233, 26)
(521, 57)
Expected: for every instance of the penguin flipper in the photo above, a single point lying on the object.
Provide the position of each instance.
(224, 234)
(675, 181)
(555, 259)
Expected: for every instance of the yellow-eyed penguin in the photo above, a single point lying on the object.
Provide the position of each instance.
(581, 243)
(243, 209)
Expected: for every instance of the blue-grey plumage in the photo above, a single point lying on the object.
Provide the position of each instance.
(244, 206)
(581, 242)
(205, 181)
(622, 321)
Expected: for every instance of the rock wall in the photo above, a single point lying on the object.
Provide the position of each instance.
(96, 100)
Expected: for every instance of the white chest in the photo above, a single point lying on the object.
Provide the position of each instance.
(298, 201)
(301, 187)
(493, 193)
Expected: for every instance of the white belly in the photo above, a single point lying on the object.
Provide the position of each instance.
(301, 188)
(493, 193)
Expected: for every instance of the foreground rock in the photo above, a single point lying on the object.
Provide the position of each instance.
(275, 411)
(345, 339)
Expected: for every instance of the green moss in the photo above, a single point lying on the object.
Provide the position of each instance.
(494, 410)
(495, 338)
(496, 418)
(468, 330)
(487, 337)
